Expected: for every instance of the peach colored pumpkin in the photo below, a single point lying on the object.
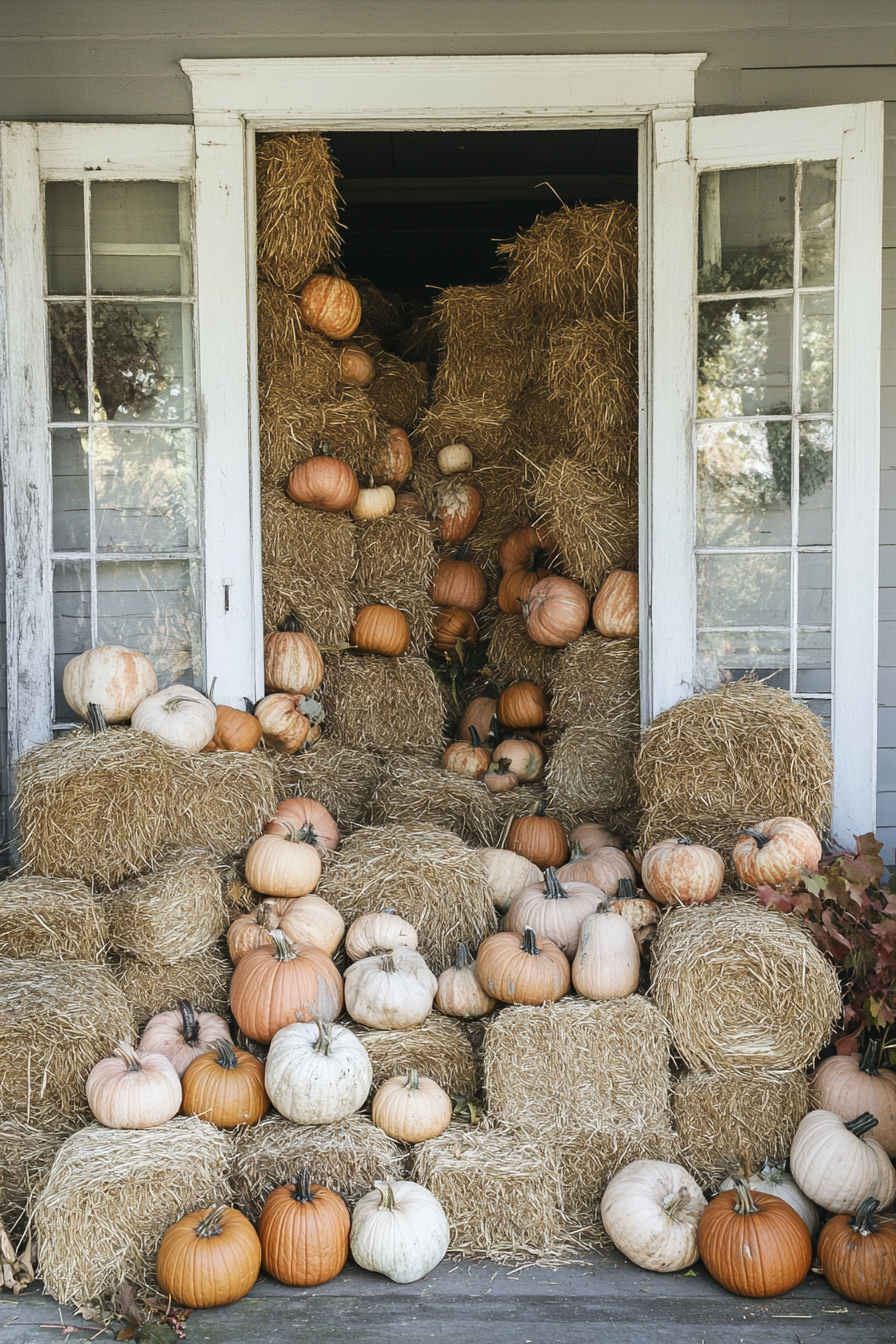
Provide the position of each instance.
(604, 868)
(467, 758)
(280, 984)
(525, 759)
(182, 1034)
(590, 837)
(278, 867)
(112, 677)
(678, 872)
(304, 814)
(480, 714)
(774, 852)
(304, 920)
(330, 305)
(133, 1091)
(556, 612)
(615, 609)
(848, 1085)
(554, 910)
(283, 724)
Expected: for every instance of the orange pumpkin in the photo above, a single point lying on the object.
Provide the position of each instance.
(209, 1258)
(591, 836)
(356, 368)
(292, 660)
(235, 730)
(557, 612)
(480, 714)
(304, 1233)
(858, 1255)
(330, 305)
(225, 1087)
(678, 872)
(381, 629)
(457, 509)
(303, 919)
(459, 583)
(468, 758)
(523, 704)
(615, 610)
(775, 851)
(538, 838)
(518, 546)
(516, 587)
(453, 624)
(524, 758)
(394, 458)
(754, 1244)
(280, 984)
(304, 814)
(323, 482)
(522, 969)
(283, 724)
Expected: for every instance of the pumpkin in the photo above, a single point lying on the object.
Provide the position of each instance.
(459, 993)
(499, 778)
(615, 609)
(554, 911)
(317, 1073)
(480, 714)
(522, 969)
(323, 482)
(308, 919)
(277, 984)
(454, 625)
(394, 461)
(411, 1108)
(755, 1245)
(538, 838)
(523, 704)
(374, 933)
(278, 867)
(507, 873)
(607, 964)
(837, 1163)
(858, 1255)
(304, 1231)
(376, 502)
(356, 368)
(604, 868)
(459, 583)
(182, 1035)
(235, 730)
(292, 660)
(225, 1087)
(400, 1230)
(556, 612)
(640, 914)
(516, 586)
(471, 758)
(304, 814)
(591, 837)
(772, 1179)
(283, 725)
(524, 758)
(651, 1211)
(133, 1091)
(407, 499)
(381, 629)
(456, 510)
(113, 678)
(209, 1258)
(851, 1084)
(775, 851)
(678, 872)
(330, 305)
(517, 547)
(454, 457)
(393, 991)
(179, 716)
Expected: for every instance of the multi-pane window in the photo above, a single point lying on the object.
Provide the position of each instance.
(764, 433)
(125, 542)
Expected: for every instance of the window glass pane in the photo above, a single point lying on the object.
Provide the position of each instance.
(66, 265)
(822, 708)
(139, 238)
(817, 222)
(71, 623)
(155, 607)
(71, 505)
(743, 590)
(813, 666)
(814, 583)
(146, 485)
(817, 344)
(68, 360)
(744, 356)
(816, 481)
(743, 484)
(724, 654)
(746, 229)
(142, 360)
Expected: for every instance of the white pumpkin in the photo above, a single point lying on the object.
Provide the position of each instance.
(113, 678)
(182, 1035)
(317, 1073)
(838, 1163)
(507, 873)
(651, 1211)
(179, 715)
(379, 931)
(390, 992)
(131, 1091)
(454, 457)
(399, 1229)
(772, 1179)
(607, 964)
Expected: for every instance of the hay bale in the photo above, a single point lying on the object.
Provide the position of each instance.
(578, 1065)
(153, 987)
(486, 426)
(594, 680)
(413, 791)
(595, 522)
(725, 1118)
(513, 656)
(26, 1156)
(175, 911)
(487, 341)
(226, 798)
(297, 207)
(285, 340)
(396, 561)
(399, 391)
(382, 314)
(588, 1161)
(729, 758)
(743, 987)
(375, 702)
(592, 373)
(57, 1019)
(112, 1193)
(590, 774)
(307, 561)
(439, 1048)
(51, 919)
(295, 417)
(426, 874)
(96, 806)
(347, 1157)
(341, 778)
(579, 262)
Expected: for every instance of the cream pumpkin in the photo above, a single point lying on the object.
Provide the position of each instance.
(506, 874)
(651, 1211)
(839, 1163)
(133, 1091)
(399, 1229)
(607, 964)
(277, 867)
(390, 992)
(305, 920)
(678, 872)
(113, 678)
(317, 1073)
(377, 932)
(178, 715)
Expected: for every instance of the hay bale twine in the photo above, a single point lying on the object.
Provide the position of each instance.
(439, 1048)
(724, 1119)
(112, 1193)
(51, 919)
(729, 758)
(412, 791)
(57, 1019)
(341, 778)
(594, 519)
(743, 987)
(307, 562)
(297, 207)
(513, 656)
(383, 703)
(175, 911)
(26, 1156)
(595, 679)
(424, 873)
(225, 799)
(151, 987)
(395, 563)
(96, 806)
(347, 1156)
(579, 1064)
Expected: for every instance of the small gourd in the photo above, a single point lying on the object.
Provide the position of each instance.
(376, 501)
(411, 1108)
(454, 457)
(499, 778)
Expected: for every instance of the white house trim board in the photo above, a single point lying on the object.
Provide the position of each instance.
(114, 150)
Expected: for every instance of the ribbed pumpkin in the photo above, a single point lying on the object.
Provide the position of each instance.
(275, 986)
(330, 305)
(133, 1091)
(284, 726)
(278, 867)
(376, 501)
(381, 629)
(317, 1073)
(839, 1163)
(847, 1085)
(615, 610)
(399, 1229)
(235, 730)
(306, 919)
(209, 1258)
(527, 969)
(459, 583)
(411, 1108)
(356, 368)
(113, 678)
(454, 457)
(607, 963)
(591, 837)
(556, 612)
(225, 1087)
(453, 624)
(651, 1211)
(480, 714)
(178, 715)
(858, 1255)
(470, 759)
(292, 660)
(775, 851)
(678, 872)
(182, 1034)
(516, 586)
(604, 868)
(457, 509)
(772, 1179)
(538, 838)
(459, 993)
(393, 991)
(640, 914)
(394, 458)
(755, 1245)
(518, 546)
(304, 814)
(323, 482)
(376, 932)
(524, 758)
(554, 911)
(304, 1232)
(523, 704)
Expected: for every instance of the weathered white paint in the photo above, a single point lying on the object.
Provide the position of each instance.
(115, 150)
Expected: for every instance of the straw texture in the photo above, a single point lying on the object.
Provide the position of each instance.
(439, 1049)
(152, 987)
(176, 911)
(580, 262)
(297, 204)
(225, 797)
(307, 563)
(343, 779)
(51, 919)
(594, 520)
(374, 702)
(26, 1156)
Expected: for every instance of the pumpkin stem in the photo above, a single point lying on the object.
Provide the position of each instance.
(743, 1197)
(576, 853)
(530, 942)
(95, 719)
(626, 890)
(761, 840)
(682, 840)
(555, 889)
(494, 731)
(462, 958)
(133, 1060)
(250, 704)
(862, 1124)
(189, 1027)
(387, 1194)
(211, 1223)
(474, 736)
(387, 963)
(864, 1221)
(413, 1082)
(265, 917)
(292, 625)
(210, 694)
(500, 767)
(540, 808)
(324, 1038)
(302, 1189)
(674, 1204)
(283, 948)
(871, 1059)
(226, 1054)
(298, 835)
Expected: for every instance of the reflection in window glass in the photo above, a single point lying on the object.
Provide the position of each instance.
(142, 361)
(140, 238)
(743, 590)
(724, 655)
(817, 343)
(813, 663)
(153, 606)
(743, 484)
(71, 622)
(64, 214)
(814, 588)
(744, 357)
(817, 222)
(816, 482)
(145, 481)
(71, 502)
(746, 229)
(68, 360)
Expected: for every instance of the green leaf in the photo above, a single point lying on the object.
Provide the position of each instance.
(155, 1332)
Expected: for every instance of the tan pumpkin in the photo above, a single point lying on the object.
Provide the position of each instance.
(607, 963)
(209, 1258)
(678, 872)
(506, 874)
(113, 678)
(518, 546)
(133, 1091)
(381, 629)
(454, 457)
(524, 758)
(523, 704)
(278, 867)
(615, 609)
(235, 730)
(283, 725)
(411, 1108)
(516, 586)
(459, 992)
(330, 305)
(590, 836)
(225, 1087)
(480, 714)
(554, 911)
(303, 920)
(182, 1034)
(376, 932)
(323, 482)
(459, 583)
(839, 1163)
(292, 660)
(391, 992)
(454, 625)
(356, 368)
(377, 501)
(304, 814)
(847, 1085)
(499, 778)
(604, 868)
(538, 838)
(641, 914)
(522, 969)
(277, 985)
(456, 511)
(304, 1231)
(775, 851)
(394, 459)
(471, 758)
(556, 612)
